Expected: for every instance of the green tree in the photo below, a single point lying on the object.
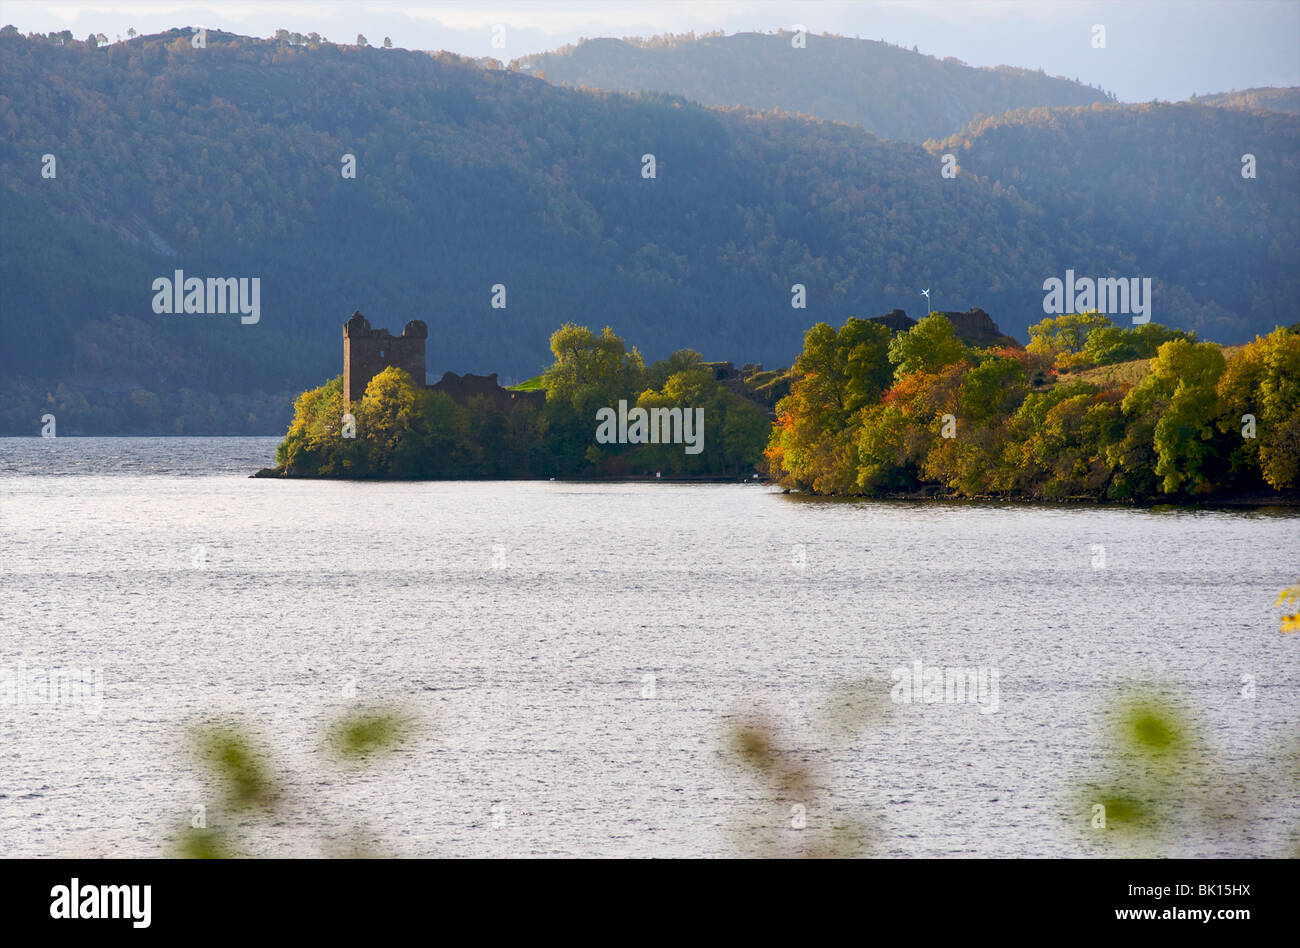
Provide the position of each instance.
(1064, 338)
(680, 360)
(930, 345)
(837, 374)
(387, 416)
(591, 371)
(1107, 345)
(1180, 393)
(1263, 381)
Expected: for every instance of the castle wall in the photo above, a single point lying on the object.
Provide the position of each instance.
(461, 388)
(367, 352)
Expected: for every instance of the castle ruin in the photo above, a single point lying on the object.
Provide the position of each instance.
(367, 352)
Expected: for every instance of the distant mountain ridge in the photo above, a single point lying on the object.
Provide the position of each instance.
(890, 91)
(1268, 98)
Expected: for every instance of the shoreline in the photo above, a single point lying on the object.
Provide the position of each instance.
(273, 473)
(1236, 500)
(1233, 501)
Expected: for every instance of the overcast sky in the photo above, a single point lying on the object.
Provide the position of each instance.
(1155, 49)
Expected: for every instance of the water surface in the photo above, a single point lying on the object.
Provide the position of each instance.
(578, 652)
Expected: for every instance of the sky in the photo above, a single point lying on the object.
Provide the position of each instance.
(1154, 49)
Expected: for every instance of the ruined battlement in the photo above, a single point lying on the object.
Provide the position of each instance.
(462, 388)
(367, 352)
(973, 327)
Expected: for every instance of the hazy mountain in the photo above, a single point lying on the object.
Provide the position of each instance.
(1268, 98)
(225, 162)
(890, 91)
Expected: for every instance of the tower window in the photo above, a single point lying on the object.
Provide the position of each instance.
(381, 353)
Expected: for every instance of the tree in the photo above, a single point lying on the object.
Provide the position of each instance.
(1107, 345)
(1053, 446)
(388, 43)
(591, 371)
(886, 446)
(744, 429)
(130, 31)
(929, 346)
(1179, 393)
(387, 417)
(1263, 381)
(361, 40)
(679, 361)
(993, 389)
(837, 374)
(1063, 338)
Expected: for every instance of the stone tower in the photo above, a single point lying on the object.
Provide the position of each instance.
(367, 352)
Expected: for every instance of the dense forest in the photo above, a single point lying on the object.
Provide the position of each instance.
(1164, 182)
(1087, 410)
(226, 161)
(888, 90)
(398, 430)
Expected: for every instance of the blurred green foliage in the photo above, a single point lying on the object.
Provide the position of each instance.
(794, 813)
(364, 734)
(238, 764)
(250, 792)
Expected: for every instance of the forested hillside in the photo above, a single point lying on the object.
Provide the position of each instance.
(225, 162)
(890, 91)
(1268, 98)
(1165, 183)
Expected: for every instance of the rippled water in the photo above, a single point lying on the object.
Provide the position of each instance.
(577, 655)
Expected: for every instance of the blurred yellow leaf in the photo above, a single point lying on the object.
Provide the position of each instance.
(1290, 623)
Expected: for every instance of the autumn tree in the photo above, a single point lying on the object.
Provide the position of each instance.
(837, 374)
(1259, 395)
